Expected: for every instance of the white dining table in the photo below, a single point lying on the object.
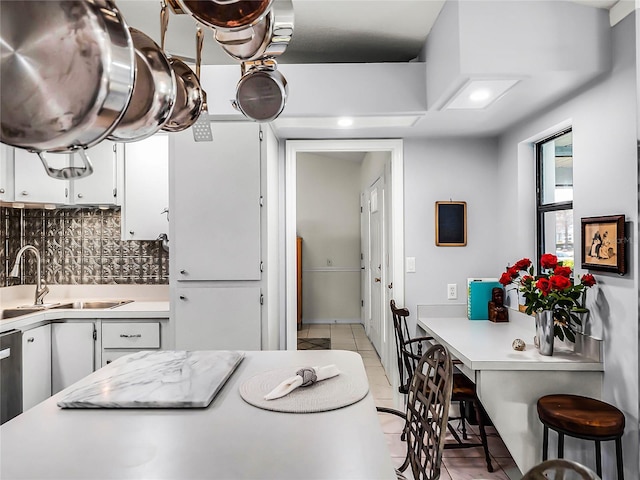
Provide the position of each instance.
(509, 382)
(229, 439)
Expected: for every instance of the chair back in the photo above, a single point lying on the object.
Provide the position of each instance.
(428, 412)
(406, 356)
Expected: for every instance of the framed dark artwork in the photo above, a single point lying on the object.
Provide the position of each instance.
(603, 244)
(451, 224)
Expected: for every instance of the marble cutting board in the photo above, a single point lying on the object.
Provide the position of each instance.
(155, 379)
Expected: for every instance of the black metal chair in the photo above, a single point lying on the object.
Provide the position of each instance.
(426, 417)
(409, 351)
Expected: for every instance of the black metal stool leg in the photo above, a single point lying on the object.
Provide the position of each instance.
(560, 445)
(463, 418)
(598, 459)
(545, 443)
(619, 464)
(483, 435)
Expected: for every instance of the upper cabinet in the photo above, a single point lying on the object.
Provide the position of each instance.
(31, 184)
(146, 188)
(216, 215)
(99, 188)
(6, 173)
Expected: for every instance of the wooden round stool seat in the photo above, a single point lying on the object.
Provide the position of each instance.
(585, 418)
(581, 416)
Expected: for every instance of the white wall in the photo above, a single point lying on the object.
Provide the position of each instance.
(605, 182)
(451, 169)
(328, 220)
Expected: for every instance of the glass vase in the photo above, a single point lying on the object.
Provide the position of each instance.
(583, 315)
(544, 332)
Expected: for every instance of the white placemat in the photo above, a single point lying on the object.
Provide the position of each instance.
(330, 394)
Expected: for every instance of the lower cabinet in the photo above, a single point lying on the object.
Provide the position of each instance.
(72, 353)
(218, 318)
(36, 366)
(123, 338)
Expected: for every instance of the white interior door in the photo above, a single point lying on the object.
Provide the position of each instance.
(376, 271)
(364, 260)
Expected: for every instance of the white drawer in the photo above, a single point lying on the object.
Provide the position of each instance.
(136, 335)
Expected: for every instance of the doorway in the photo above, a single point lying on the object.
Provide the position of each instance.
(396, 228)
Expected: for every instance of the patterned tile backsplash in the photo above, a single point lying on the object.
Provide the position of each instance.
(77, 246)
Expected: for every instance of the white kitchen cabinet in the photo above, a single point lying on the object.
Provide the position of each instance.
(99, 188)
(146, 188)
(6, 173)
(122, 338)
(216, 214)
(72, 353)
(218, 318)
(31, 182)
(36, 366)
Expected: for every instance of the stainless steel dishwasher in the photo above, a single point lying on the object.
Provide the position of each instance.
(10, 375)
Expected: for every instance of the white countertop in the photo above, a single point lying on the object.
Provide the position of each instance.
(149, 301)
(485, 345)
(229, 439)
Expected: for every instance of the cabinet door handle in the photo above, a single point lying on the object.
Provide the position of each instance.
(182, 297)
(134, 335)
(131, 232)
(1, 190)
(31, 340)
(24, 193)
(183, 272)
(79, 195)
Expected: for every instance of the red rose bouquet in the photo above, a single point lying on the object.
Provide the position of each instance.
(553, 289)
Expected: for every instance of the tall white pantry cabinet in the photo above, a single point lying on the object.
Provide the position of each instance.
(217, 224)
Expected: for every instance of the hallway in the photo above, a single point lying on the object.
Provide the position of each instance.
(460, 464)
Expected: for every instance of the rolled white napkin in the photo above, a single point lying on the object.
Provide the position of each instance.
(303, 378)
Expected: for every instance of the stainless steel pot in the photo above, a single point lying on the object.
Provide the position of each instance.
(66, 75)
(188, 104)
(269, 37)
(261, 92)
(227, 14)
(154, 92)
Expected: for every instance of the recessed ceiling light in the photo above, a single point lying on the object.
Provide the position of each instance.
(478, 94)
(345, 122)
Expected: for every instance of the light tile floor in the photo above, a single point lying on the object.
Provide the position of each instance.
(460, 464)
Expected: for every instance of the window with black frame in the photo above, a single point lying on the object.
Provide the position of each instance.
(554, 189)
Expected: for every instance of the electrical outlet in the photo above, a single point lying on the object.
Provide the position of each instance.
(452, 291)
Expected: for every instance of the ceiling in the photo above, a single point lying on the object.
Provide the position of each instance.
(357, 31)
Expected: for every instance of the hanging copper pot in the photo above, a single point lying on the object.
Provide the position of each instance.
(227, 14)
(261, 93)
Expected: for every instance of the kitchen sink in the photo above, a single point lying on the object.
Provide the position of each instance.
(79, 305)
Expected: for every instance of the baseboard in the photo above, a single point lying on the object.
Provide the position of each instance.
(331, 321)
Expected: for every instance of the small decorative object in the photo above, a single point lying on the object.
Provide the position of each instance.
(451, 224)
(518, 345)
(553, 291)
(497, 311)
(603, 244)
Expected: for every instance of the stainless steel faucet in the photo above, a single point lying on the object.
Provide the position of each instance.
(40, 290)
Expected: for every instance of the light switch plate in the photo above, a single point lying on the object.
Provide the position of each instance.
(411, 264)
